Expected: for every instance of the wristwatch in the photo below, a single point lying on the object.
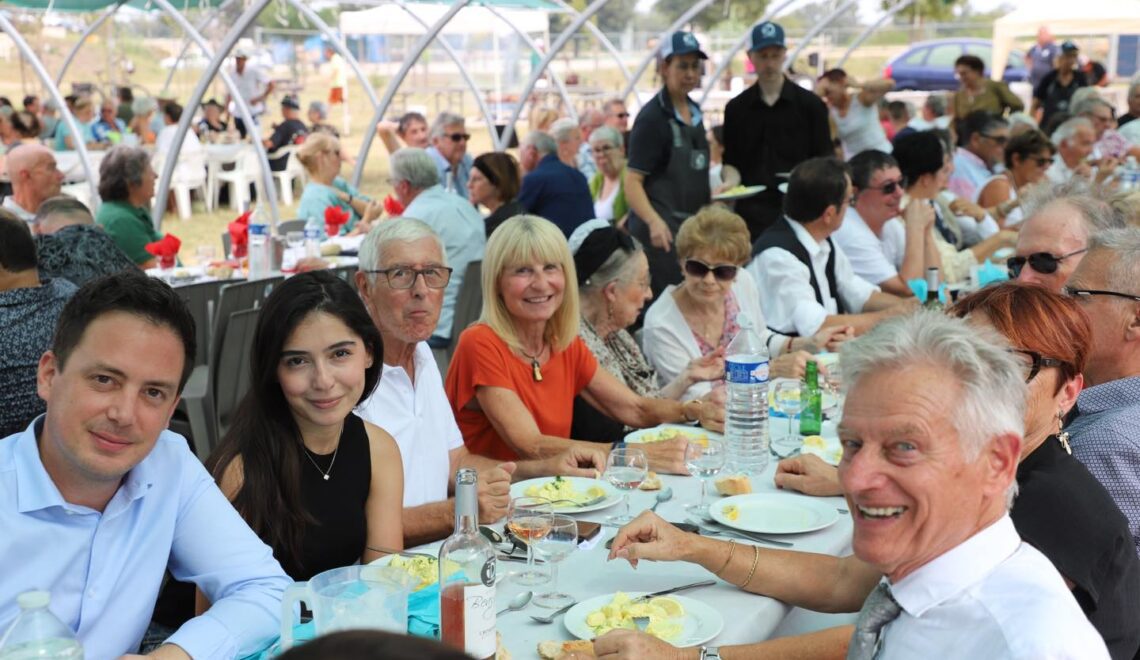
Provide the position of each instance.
(710, 653)
(686, 415)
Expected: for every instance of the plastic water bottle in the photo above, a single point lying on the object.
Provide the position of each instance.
(259, 247)
(37, 633)
(746, 407)
(317, 226)
(312, 241)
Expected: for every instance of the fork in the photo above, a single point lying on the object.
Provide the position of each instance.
(550, 617)
(747, 536)
(581, 504)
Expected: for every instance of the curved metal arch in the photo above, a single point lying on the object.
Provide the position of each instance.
(339, 47)
(91, 29)
(214, 68)
(390, 92)
(602, 39)
(896, 8)
(768, 15)
(57, 96)
(555, 48)
(187, 42)
(815, 30)
(562, 91)
(684, 18)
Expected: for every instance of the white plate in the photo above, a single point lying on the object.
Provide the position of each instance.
(775, 513)
(783, 187)
(702, 622)
(642, 436)
(747, 192)
(581, 484)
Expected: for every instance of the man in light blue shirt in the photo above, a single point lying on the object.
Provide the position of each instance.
(448, 151)
(458, 224)
(98, 500)
(984, 135)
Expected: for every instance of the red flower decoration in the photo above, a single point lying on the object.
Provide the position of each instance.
(166, 249)
(239, 235)
(392, 206)
(335, 217)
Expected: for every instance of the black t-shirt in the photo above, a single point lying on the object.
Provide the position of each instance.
(1063, 511)
(1055, 97)
(761, 140)
(290, 131)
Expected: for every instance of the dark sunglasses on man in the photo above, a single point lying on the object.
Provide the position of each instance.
(459, 137)
(889, 187)
(1042, 262)
(722, 272)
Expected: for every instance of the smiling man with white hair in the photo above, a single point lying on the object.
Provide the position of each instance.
(448, 151)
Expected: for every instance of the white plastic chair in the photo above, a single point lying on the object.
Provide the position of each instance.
(292, 173)
(190, 175)
(247, 171)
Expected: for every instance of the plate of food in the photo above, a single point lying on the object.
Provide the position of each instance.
(773, 513)
(579, 494)
(678, 620)
(739, 192)
(669, 431)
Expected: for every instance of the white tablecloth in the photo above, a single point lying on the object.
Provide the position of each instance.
(586, 573)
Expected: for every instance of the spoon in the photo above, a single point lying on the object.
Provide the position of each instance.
(517, 603)
(550, 618)
(663, 496)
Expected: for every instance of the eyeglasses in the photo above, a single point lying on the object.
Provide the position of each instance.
(1000, 139)
(1037, 362)
(459, 137)
(1042, 262)
(604, 149)
(402, 277)
(698, 269)
(889, 187)
(1043, 161)
(1087, 293)
(622, 115)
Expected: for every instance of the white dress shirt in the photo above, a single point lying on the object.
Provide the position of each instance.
(419, 418)
(668, 341)
(250, 83)
(1059, 172)
(874, 258)
(990, 597)
(786, 296)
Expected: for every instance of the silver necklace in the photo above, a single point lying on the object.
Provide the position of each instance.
(324, 473)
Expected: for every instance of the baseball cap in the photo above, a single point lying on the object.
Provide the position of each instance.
(290, 102)
(1069, 47)
(681, 43)
(766, 34)
(241, 51)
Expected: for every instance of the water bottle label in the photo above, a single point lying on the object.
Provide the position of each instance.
(312, 234)
(259, 230)
(746, 373)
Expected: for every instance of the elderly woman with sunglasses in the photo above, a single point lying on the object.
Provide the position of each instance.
(1027, 156)
(320, 156)
(699, 317)
(607, 185)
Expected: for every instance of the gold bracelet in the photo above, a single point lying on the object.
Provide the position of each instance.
(755, 561)
(731, 549)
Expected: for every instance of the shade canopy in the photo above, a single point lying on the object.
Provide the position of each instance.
(529, 15)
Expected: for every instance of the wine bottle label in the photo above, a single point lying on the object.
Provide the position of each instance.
(479, 618)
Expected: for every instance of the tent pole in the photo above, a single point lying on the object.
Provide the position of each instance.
(562, 91)
(769, 14)
(91, 29)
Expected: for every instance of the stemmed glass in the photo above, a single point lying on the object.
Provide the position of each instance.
(554, 547)
(529, 518)
(704, 462)
(787, 400)
(833, 384)
(626, 468)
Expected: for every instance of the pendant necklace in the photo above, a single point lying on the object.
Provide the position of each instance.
(324, 473)
(537, 370)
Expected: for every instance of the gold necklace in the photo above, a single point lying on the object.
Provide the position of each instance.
(537, 370)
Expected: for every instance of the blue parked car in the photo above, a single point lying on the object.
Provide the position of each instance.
(929, 65)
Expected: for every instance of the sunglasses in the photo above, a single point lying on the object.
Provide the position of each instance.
(1000, 139)
(1043, 161)
(622, 115)
(1042, 262)
(459, 137)
(1088, 293)
(698, 269)
(1037, 362)
(890, 187)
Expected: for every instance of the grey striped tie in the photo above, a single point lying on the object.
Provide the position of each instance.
(879, 609)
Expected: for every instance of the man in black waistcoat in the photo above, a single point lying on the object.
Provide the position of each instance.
(805, 280)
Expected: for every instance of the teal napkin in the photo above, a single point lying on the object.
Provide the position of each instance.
(988, 273)
(919, 287)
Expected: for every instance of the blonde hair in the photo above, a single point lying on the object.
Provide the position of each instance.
(542, 117)
(314, 145)
(524, 239)
(717, 229)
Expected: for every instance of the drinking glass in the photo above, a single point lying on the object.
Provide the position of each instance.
(529, 518)
(206, 254)
(296, 242)
(557, 545)
(833, 384)
(704, 462)
(786, 399)
(626, 468)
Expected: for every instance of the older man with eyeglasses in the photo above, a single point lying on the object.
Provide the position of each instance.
(403, 274)
(1105, 429)
(1055, 235)
(448, 150)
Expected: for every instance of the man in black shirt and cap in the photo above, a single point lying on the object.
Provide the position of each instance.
(770, 128)
(290, 131)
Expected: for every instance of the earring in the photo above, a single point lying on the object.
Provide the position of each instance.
(1062, 434)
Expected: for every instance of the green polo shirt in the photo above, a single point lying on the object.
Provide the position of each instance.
(131, 228)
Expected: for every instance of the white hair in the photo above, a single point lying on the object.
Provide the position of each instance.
(606, 134)
(375, 250)
(1086, 198)
(993, 390)
(542, 142)
(1088, 102)
(1016, 118)
(415, 166)
(1124, 244)
(562, 129)
(1070, 128)
(442, 121)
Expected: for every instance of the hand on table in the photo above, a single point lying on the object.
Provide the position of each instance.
(634, 645)
(668, 456)
(494, 493)
(831, 337)
(712, 409)
(791, 365)
(650, 537)
(808, 474)
(578, 461)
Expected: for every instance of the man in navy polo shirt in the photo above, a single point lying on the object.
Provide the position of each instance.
(554, 190)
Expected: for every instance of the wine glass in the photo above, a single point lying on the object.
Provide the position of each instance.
(206, 254)
(833, 384)
(704, 461)
(554, 547)
(626, 468)
(529, 519)
(787, 400)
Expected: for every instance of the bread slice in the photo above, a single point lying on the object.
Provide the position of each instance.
(651, 482)
(737, 484)
(554, 650)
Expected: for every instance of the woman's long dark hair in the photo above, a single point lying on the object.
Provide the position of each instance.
(264, 433)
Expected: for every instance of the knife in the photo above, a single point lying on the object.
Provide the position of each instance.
(663, 592)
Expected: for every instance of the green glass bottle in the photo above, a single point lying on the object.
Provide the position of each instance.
(811, 417)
